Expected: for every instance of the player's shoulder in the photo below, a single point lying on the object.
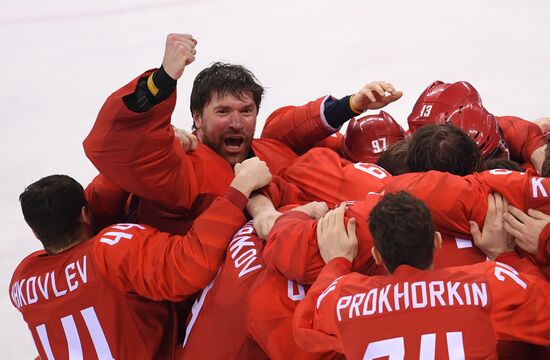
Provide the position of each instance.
(479, 271)
(119, 233)
(508, 121)
(259, 144)
(27, 262)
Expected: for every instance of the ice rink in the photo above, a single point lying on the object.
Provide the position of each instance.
(61, 59)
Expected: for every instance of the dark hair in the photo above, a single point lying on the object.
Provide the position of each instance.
(394, 158)
(222, 78)
(444, 148)
(51, 207)
(503, 164)
(545, 171)
(402, 231)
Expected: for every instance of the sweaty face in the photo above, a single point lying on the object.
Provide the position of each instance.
(227, 125)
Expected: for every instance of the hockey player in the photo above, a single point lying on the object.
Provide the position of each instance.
(502, 136)
(443, 147)
(416, 312)
(88, 295)
(133, 143)
(220, 309)
(367, 137)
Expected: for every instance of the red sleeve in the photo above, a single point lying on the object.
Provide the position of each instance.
(106, 201)
(139, 152)
(525, 265)
(315, 325)
(523, 137)
(332, 142)
(292, 247)
(519, 310)
(282, 193)
(300, 127)
(522, 190)
(321, 174)
(142, 260)
(452, 200)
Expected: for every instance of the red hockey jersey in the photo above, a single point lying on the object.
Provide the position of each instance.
(139, 152)
(453, 200)
(301, 127)
(271, 305)
(321, 174)
(106, 201)
(219, 312)
(78, 302)
(292, 245)
(523, 137)
(451, 313)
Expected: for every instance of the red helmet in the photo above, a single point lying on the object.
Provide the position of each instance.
(460, 104)
(482, 127)
(439, 100)
(367, 137)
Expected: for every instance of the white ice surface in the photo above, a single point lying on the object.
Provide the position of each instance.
(61, 59)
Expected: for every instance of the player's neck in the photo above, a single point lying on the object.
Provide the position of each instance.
(85, 233)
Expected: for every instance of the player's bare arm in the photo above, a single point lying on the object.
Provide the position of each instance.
(264, 214)
(315, 209)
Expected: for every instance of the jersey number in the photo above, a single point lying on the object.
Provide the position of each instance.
(296, 291)
(394, 348)
(370, 169)
(73, 339)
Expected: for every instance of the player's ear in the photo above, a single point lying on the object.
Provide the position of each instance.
(377, 257)
(437, 240)
(86, 216)
(197, 120)
(197, 123)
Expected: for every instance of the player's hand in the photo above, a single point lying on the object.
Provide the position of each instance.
(334, 238)
(188, 141)
(263, 213)
(178, 53)
(263, 222)
(494, 239)
(314, 209)
(543, 123)
(375, 95)
(251, 174)
(538, 159)
(525, 228)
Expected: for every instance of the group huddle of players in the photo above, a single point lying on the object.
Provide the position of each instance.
(215, 245)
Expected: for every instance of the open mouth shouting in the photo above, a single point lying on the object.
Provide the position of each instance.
(233, 144)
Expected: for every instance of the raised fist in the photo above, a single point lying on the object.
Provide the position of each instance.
(251, 174)
(178, 53)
